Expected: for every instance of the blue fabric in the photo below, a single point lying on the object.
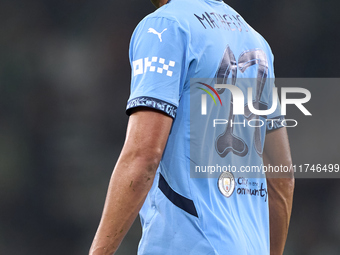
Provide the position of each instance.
(182, 41)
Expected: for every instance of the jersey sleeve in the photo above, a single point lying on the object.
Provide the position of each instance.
(274, 120)
(158, 63)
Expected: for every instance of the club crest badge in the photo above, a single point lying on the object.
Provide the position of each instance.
(226, 184)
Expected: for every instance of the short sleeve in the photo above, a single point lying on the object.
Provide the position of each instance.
(274, 120)
(158, 61)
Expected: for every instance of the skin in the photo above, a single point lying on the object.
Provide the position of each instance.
(280, 188)
(159, 3)
(132, 178)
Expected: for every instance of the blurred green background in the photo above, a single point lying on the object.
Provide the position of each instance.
(64, 83)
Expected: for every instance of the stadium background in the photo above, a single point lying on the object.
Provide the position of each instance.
(64, 82)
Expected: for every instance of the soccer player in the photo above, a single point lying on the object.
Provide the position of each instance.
(170, 136)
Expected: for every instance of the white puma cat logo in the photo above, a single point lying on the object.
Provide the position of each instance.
(151, 30)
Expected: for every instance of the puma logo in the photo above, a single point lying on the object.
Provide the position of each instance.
(151, 30)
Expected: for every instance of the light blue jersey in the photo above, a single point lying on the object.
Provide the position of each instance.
(173, 53)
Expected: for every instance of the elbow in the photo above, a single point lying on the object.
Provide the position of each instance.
(284, 185)
(287, 184)
(290, 179)
(145, 160)
(149, 161)
(291, 183)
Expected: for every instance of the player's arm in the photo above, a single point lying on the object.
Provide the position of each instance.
(132, 178)
(280, 190)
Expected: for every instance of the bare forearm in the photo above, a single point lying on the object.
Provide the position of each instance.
(280, 193)
(132, 177)
(126, 194)
(280, 188)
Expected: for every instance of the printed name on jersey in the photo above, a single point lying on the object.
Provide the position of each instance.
(153, 31)
(226, 184)
(222, 21)
(141, 66)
